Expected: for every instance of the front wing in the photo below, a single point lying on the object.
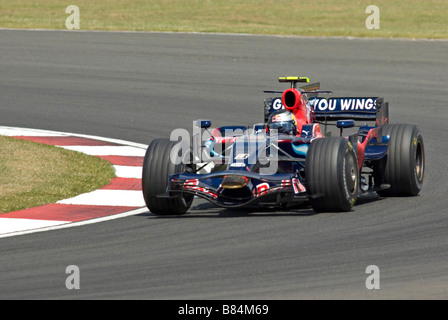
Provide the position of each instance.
(273, 189)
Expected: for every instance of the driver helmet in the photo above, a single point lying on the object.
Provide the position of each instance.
(284, 121)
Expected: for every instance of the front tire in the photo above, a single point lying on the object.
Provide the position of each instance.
(332, 176)
(404, 165)
(157, 167)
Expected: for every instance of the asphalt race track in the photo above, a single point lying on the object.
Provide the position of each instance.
(140, 86)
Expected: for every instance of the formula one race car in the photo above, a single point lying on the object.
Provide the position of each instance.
(289, 160)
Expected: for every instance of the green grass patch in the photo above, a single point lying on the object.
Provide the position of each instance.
(33, 174)
(409, 19)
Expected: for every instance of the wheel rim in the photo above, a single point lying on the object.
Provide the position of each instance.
(419, 161)
(351, 175)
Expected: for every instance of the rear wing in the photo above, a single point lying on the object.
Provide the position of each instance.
(346, 108)
(333, 109)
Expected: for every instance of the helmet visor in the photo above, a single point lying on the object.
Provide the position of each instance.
(286, 127)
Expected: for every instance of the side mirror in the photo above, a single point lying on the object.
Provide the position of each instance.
(204, 124)
(341, 124)
(259, 128)
(345, 124)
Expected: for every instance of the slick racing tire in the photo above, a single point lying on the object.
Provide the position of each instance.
(332, 176)
(404, 165)
(157, 167)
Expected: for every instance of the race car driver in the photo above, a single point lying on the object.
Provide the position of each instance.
(284, 122)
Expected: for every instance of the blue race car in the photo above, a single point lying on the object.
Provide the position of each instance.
(289, 160)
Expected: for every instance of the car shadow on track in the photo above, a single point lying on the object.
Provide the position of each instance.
(204, 209)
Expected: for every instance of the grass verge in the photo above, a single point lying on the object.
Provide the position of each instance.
(408, 19)
(33, 174)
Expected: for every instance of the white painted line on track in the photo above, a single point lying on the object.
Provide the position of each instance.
(18, 132)
(224, 34)
(108, 150)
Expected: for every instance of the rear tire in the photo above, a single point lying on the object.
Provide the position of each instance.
(157, 167)
(332, 176)
(404, 165)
